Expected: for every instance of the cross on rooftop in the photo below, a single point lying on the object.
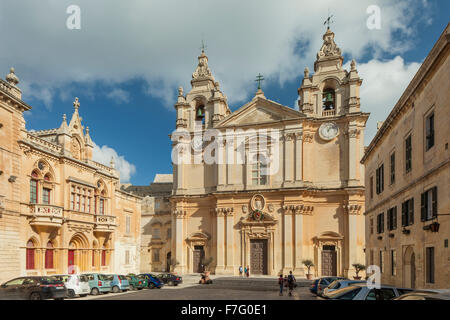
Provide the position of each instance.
(259, 78)
(76, 104)
(203, 47)
(328, 20)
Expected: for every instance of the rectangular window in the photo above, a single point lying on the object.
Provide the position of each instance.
(155, 255)
(428, 204)
(392, 167)
(408, 154)
(371, 225)
(89, 204)
(128, 225)
(380, 223)
(381, 261)
(45, 196)
(102, 206)
(83, 203)
(72, 201)
(371, 257)
(430, 264)
(169, 233)
(78, 202)
(429, 134)
(127, 257)
(393, 262)
(156, 233)
(33, 191)
(371, 187)
(392, 219)
(408, 212)
(380, 179)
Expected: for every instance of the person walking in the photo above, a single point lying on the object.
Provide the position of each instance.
(240, 271)
(247, 273)
(291, 282)
(281, 283)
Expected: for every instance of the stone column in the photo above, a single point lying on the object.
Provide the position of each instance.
(288, 159)
(352, 211)
(288, 243)
(221, 165)
(220, 217)
(179, 240)
(298, 156)
(299, 242)
(352, 157)
(230, 241)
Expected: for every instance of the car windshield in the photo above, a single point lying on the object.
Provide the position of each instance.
(334, 285)
(142, 277)
(122, 278)
(50, 280)
(83, 278)
(62, 278)
(337, 293)
(104, 277)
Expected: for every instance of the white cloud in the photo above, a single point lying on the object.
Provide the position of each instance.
(119, 96)
(159, 40)
(104, 154)
(383, 84)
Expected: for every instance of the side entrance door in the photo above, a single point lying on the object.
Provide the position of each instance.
(258, 256)
(199, 255)
(329, 261)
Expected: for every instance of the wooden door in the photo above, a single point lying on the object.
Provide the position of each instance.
(329, 261)
(71, 261)
(258, 256)
(198, 259)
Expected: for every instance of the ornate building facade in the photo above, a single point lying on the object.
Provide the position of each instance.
(60, 211)
(295, 193)
(408, 181)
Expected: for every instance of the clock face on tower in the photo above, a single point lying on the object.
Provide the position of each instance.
(328, 131)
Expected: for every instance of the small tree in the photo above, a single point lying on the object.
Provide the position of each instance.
(308, 264)
(207, 262)
(358, 268)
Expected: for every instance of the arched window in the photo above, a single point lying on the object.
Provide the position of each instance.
(34, 187)
(49, 254)
(259, 170)
(104, 256)
(328, 99)
(30, 255)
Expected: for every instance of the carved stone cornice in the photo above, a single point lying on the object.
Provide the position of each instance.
(298, 209)
(179, 213)
(308, 137)
(352, 209)
(224, 211)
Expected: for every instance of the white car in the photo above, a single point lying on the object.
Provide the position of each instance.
(76, 284)
(339, 284)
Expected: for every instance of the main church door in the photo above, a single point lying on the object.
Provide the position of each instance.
(258, 256)
(199, 255)
(329, 261)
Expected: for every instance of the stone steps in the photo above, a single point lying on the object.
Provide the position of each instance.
(252, 283)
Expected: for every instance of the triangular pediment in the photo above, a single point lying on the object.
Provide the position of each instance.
(259, 111)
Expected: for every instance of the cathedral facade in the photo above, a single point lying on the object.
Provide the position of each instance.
(60, 211)
(283, 185)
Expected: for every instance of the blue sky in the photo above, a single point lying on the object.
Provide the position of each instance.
(126, 62)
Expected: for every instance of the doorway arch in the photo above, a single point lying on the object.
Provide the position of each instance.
(77, 258)
(409, 268)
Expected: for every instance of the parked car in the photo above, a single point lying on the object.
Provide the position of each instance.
(325, 282)
(137, 282)
(361, 291)
(33, 288)
(170, 279)
(118, 282)
(153, 281)
(98, 283)
(429, 294)
(339, 284)
(313, 287)
(76, 284)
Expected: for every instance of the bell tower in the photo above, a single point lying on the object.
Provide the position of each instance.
(205, 104)
(331, 90)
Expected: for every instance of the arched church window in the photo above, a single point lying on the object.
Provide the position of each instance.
(49, 253)
(328, 99)
(259, 170)
(34, 187)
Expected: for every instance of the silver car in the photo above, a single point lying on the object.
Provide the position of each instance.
(426, 294)
(339, 284)
(360, 291)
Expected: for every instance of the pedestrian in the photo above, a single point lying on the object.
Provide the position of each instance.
(247, 273)
(281, 284)
(291, 282)
(240, 271)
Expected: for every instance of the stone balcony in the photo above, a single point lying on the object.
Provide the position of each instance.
(328, 113)
(46, 215)
(104, 223)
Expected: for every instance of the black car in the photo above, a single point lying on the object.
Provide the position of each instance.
(170, 279)
(33, 288)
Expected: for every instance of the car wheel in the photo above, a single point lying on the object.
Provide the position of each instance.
(71, 294)
(171, 283)
(115, 289)
(132, 288)
(35, 296)
(94, 291)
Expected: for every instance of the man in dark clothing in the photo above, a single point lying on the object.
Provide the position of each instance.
(281, 283)
(291, 282)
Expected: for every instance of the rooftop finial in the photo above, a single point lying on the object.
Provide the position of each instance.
(112, 163)
(203, 47)
(259, 78)
(328, 20)
(11, 78)
(64, 117)
(76, 104)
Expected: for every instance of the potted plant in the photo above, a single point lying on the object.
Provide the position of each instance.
(308, 264)
(206, 264)
(358, 268)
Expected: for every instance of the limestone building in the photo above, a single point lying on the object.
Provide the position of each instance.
(156, 224)
(60, 211)
(408, 181)
(285, 186)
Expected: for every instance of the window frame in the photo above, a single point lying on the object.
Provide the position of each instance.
(429, 131)
(392, 167)
(408, 153)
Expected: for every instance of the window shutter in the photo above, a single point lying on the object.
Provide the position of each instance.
(423, 207)
(434, 191)
(394, 218)
(404, 214)
(389, 217)
(382, 222)
(411, 211)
